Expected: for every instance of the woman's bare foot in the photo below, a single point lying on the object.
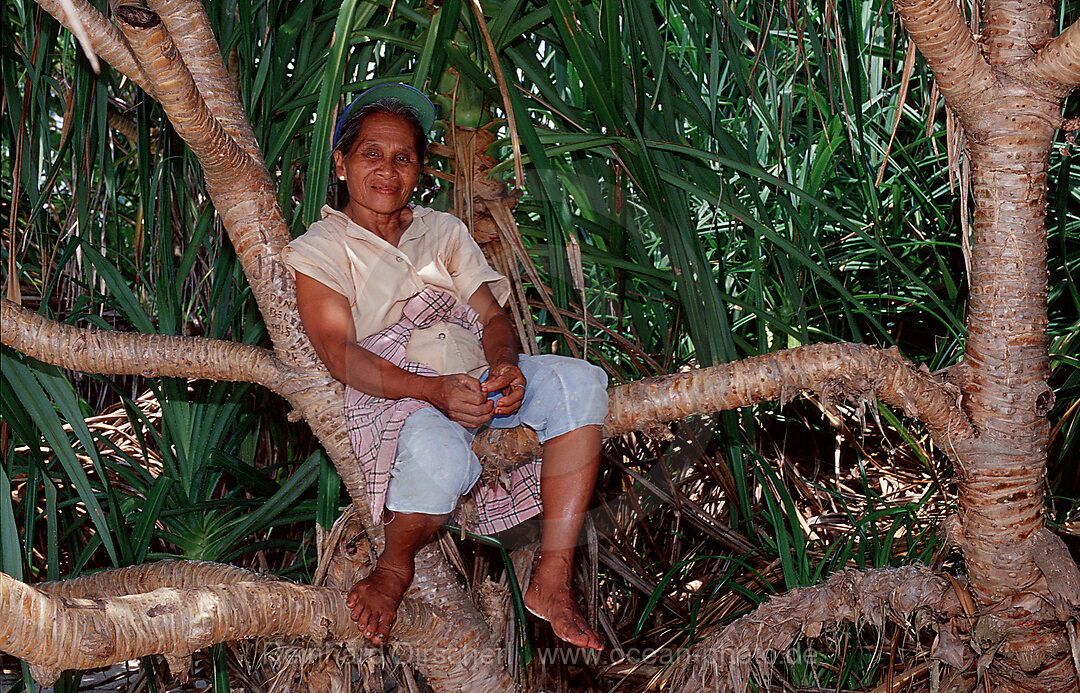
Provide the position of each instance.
(375, 599)
(551, 598)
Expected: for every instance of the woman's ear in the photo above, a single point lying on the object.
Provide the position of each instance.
(339, 164)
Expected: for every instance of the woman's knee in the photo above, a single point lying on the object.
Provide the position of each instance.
(569, 373)
(435, 464)
(567, 393)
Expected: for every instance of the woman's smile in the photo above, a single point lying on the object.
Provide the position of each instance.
(381, 172)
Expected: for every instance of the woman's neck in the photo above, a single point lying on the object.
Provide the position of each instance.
(388, 227)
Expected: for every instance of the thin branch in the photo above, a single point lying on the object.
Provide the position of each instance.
(105, 38)
(132, 353)
(726, 661)
(832, 370)
(1059, 60)
(941, 34)
(189, 28)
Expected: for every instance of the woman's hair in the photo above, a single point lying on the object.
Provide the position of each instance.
(338, 193)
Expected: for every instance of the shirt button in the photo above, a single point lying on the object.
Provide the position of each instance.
(442, 335)
(399, 258)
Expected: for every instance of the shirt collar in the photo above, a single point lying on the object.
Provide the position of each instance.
(351, 228)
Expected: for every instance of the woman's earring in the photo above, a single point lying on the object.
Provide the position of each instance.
(341, 178)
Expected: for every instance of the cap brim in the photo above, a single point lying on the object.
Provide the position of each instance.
(408, 96)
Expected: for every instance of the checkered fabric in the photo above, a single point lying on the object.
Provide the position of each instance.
(374, 423)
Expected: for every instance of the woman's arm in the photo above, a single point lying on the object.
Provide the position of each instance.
(328, 322)
(501, 350)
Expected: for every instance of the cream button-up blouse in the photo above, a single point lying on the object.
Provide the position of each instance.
(436, 251)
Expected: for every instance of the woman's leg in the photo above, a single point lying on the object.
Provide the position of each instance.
(375, 599)
(565, 403)
(434, 466)
(567, 475)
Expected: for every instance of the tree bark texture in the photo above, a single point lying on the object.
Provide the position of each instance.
(1007, 89)
(177, 607)
(749, 645)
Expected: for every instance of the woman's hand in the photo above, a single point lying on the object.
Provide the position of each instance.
(508, 378)
(461, 397)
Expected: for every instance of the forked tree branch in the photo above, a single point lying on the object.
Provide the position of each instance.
(726, 661)
(941, 34)
(172, 85)
(239, 185)
(1059, 60)
(190, 605)
(190, 30)
(133, 353)
(105, 38)
(832, 370)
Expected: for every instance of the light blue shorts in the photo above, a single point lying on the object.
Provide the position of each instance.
(435, 464)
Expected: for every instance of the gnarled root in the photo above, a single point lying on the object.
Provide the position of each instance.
(726, 661)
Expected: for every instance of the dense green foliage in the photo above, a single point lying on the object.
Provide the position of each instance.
(731, 175)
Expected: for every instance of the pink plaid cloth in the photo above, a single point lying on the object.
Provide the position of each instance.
(374, 423)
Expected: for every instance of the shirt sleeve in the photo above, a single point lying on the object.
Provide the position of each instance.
(320, 258)
(468, 267)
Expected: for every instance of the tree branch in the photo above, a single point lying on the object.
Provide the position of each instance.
(239, 185)
(105, 38)
(833, 370)
(133, 353)
(189, 28)
(53, 630)
(942, 36)
(172, 85)
(726, 661)
(1059, 60)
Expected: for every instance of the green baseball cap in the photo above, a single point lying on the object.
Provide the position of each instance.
(406, 95)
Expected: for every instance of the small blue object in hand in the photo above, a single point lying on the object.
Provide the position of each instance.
(495, 395)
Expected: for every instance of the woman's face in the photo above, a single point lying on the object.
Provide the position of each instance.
(381, 171)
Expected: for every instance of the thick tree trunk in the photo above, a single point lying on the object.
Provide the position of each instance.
(1008, 98)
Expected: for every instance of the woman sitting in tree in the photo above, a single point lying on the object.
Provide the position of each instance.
(403, 309)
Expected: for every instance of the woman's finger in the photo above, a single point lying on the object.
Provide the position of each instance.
(494, 383)
(502, 376)
(510, 400)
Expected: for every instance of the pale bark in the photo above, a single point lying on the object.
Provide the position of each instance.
(132, 353)
(940, 31)
(833, 371)
(121, 615)
(239, 185)
(172, 85)
(1059, 60)
(189, 28)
